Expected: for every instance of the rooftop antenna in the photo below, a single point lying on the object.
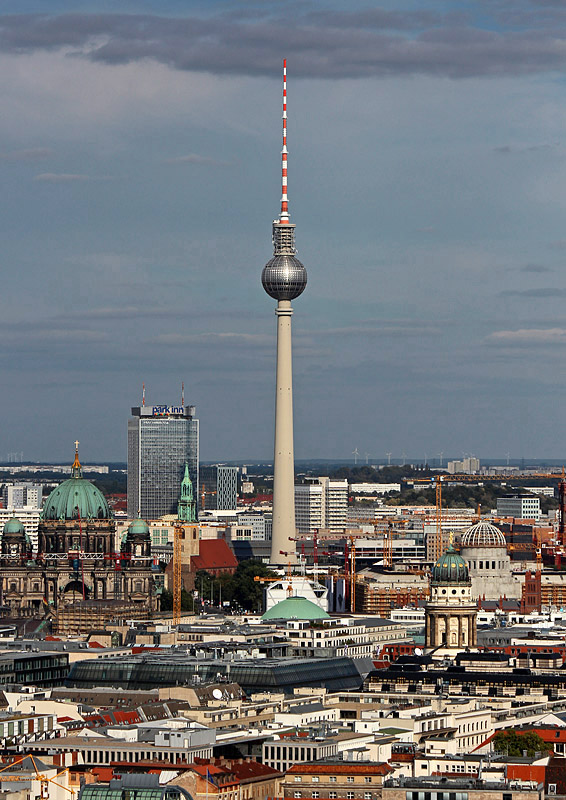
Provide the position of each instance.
(143, 395)
(284, 215)
(183, 394)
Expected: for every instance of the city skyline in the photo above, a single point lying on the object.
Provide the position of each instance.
(428, 186)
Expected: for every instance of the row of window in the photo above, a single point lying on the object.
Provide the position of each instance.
(333, 795)
(332, 779)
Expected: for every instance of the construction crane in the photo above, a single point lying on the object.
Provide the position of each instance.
(177, 575)
(562, 509)
(43, 779)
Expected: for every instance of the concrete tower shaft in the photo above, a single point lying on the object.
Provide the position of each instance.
(284, 278)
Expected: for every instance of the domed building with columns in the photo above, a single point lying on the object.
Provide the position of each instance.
(484, 549)
(76, 577)
(451, 612)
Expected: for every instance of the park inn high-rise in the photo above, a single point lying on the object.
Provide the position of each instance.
(161, 440)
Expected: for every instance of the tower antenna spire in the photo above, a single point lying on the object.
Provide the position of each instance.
(143, 394)
(183, 394)
(284, 215)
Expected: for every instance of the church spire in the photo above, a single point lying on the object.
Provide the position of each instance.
(76, 469)
(186, 511)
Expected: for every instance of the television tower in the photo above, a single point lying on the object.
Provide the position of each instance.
(284, 278)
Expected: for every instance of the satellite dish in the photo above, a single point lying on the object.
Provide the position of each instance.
(418, 651)
(217, 694)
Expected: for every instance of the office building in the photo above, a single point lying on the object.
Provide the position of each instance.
(219, 488)
(519, 506)
(22, 495)
(321, 503)
(161, 440)
(284, 279)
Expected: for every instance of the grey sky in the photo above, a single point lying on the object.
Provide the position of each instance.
(139, 162)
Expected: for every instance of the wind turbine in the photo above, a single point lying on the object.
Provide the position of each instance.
(355, 453)
(441, 455)
(388, 459)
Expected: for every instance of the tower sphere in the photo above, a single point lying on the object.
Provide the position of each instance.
(284, 277)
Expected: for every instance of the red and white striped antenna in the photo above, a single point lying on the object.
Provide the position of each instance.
(143, 395)
(284, 216)
(183, 394)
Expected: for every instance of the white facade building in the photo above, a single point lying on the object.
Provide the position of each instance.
(321, 503)
(374, 488)
(521, 506)
(19, 495)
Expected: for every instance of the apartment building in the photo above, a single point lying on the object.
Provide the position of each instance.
(341, 780)
(321, 503)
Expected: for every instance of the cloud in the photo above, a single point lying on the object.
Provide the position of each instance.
(535, 268)
(323, 43)
(60, 177)
(527, 337)
(194, 158)
(402, 329)
(228, 338)
(542, 293)
(507, 149)
(32, 154)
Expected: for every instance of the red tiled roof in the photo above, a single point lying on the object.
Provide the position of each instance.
(248, 770)
(341, 769)
(214, 554)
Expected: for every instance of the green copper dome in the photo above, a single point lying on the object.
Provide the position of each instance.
(13, 529)
(295, 608)
(450, 568)
(76, 497)
(138, 528)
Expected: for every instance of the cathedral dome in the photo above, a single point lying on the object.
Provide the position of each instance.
(450, 568)
(13, 530)
(76, 498)
(483, 534)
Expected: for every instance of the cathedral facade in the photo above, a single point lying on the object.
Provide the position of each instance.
(76, 562)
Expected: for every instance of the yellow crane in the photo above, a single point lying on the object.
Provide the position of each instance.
(177, 577)
(43, 779)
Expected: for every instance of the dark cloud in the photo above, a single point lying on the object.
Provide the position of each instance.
(535, 268)
(195, 158)
(60, 177)
(543, 293)
(507, 149)
(32, 154)
(527, 337)
(320, 43)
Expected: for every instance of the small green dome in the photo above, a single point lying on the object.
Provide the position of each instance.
(14, 529)
(138, 529)
(450, 568)
(295, 608)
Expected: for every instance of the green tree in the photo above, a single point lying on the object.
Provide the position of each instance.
(247, 592)
(514, 743)
(166, 600)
